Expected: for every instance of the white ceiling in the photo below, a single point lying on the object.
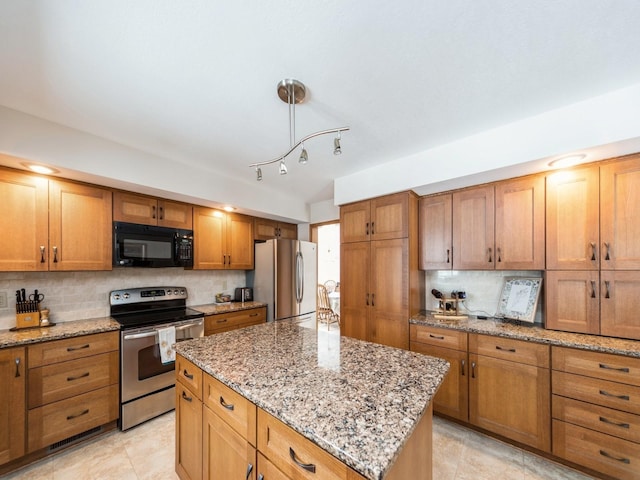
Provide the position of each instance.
(194, 82)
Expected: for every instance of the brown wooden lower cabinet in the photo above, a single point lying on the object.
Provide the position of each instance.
(224, 322)
(12, 403)
(596, 411)
(221, 435)
(452, 398)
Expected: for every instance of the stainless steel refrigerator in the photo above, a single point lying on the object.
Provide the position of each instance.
(285, 278)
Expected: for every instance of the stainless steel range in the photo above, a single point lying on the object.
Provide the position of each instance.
(147, 385)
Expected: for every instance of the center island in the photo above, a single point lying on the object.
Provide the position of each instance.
(281, 401)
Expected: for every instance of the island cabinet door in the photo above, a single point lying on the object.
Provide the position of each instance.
(227, 455)
(188, 459)
(511, 399)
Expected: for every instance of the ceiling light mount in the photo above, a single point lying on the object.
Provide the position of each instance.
(292, 92)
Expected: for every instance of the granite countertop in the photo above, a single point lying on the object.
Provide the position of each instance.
(215, 308)
(532, 333)
(357, 400)
(61, 330)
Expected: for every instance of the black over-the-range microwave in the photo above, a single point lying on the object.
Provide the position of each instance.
(150, 246)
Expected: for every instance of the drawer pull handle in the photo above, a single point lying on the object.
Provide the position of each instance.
(224, 320)
(71, 379)
(512, 350)
(84, 412)
(253, 315)
(618, 369)
(249, 470)
(607, 394)
(41, 253)
(448, 256)
(490, 255)
(462, 367)
(606, 285)
(593, 289)
(184, 397)
(473, 369)
(309, 467)
(617, 459)
(73, 349)
(17, 367)
(260, 477)
(621, 425)
(228, 406)
(608, 247)
(593, 251)
(55, 254)
(186, 374)
(436, 337)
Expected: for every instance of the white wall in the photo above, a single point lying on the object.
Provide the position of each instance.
(82, 295)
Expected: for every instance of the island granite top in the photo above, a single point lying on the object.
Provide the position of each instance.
(357, 400)
(532, 333)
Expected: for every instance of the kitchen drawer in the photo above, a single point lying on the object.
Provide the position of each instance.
(60, 420)
(605, 420)
(58, 381)
(224, 322)
(56, 351)
(232, 407)
(268, 471)
(602, 453)
(189, 375)
(509, 349)
(440, 337)
(291, 452)
(593, 390)
(595, 364)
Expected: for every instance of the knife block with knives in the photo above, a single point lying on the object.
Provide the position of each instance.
(27, 310)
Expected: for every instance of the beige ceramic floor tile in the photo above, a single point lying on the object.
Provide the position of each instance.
(484, 458)
(538, 468)
(448, 444)
(42, 470)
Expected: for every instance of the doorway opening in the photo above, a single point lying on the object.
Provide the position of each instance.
(327, 237)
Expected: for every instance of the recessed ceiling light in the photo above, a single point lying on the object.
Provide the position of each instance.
(43, 169)
(567, 161)
(228, 208)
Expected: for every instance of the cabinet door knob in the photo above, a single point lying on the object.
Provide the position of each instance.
(593, 252)
(490, 255)
(42, 249)
(153, 212)
(55, 254)
(462, 368)
(17, 367)
(593, 289)
(607, 292)
(607, 248)
(448, 261)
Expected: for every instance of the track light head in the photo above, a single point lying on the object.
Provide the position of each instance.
(336, 146)
(259, 174)
(283, 168)
(304, 156)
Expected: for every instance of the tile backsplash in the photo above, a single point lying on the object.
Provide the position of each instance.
(81, 295)
(483, 289)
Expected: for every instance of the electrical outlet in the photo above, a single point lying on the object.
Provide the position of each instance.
(3, 300)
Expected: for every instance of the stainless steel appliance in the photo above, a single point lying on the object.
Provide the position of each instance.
(285, 278)
(147, 385)
(150, 246)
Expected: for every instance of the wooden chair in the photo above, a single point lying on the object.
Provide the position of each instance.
(325, 313)
(330, 285)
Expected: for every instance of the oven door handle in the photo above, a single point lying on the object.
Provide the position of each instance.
(140, 335)
(154, 332)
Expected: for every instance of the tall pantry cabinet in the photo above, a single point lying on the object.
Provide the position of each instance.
(593, 252)
(380, 284)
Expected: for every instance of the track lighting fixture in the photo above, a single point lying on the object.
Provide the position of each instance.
(291, 92)
(336, 145)
(304, 157)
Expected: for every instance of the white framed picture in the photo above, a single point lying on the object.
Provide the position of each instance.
(519, 298)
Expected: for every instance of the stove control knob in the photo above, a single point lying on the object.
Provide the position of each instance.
(182, 292)
(169, 292)
(116, 296)
(125, 295)
(176, 292)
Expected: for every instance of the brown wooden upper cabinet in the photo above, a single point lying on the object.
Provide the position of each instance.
(133, 208)
(573, 226)
(55, 225)
(435, 232)
(222, 240)
(267, 229)
(381, 218)
(498, 226)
